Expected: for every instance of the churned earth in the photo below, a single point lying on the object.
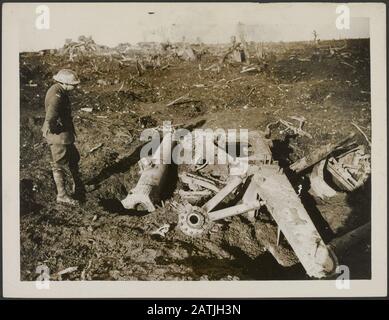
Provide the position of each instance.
(103, 241)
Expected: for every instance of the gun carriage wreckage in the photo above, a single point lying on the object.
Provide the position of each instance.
(259, 183)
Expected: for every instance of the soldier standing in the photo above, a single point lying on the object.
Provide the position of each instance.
(58, 129)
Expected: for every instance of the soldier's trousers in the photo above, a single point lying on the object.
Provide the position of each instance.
(64, 157)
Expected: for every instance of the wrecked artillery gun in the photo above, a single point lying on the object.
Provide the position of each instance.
(259, 184)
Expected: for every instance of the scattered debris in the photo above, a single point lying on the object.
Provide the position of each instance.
(85, 270)
(194, 197)
(194, 182)
(347, 64)
(290, 128)
(84, 46)
(187, 54)
(31, 84)
(165, 67)
(296, 130)
(235, 52)
(350, 170)
(102, 82)
(87, 109)
(251, 69)
(349, 166)
(214, 67)
(233, 80)
(319, 154)
(238, 55)
(364, 134)
(96, 147)
(178, 100)
(65, 271)
(161, 231)
(251, 91)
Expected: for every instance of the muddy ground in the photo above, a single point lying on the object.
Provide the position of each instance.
(106, 242)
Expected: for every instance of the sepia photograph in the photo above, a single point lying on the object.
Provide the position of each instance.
(195, 142)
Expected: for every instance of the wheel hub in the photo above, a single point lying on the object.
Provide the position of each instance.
(192, 221)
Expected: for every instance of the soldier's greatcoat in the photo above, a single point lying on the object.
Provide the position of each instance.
(58, 127)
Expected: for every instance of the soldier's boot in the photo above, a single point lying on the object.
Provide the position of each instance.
(62, 196)
(78, 185)
(78, 188)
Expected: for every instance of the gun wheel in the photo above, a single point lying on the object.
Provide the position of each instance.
(193, 221)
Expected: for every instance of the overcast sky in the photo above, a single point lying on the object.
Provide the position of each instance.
(113, 23)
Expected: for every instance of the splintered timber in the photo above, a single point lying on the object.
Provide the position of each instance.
(202, 309)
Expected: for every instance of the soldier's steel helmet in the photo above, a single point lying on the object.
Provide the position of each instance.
(67, 76)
